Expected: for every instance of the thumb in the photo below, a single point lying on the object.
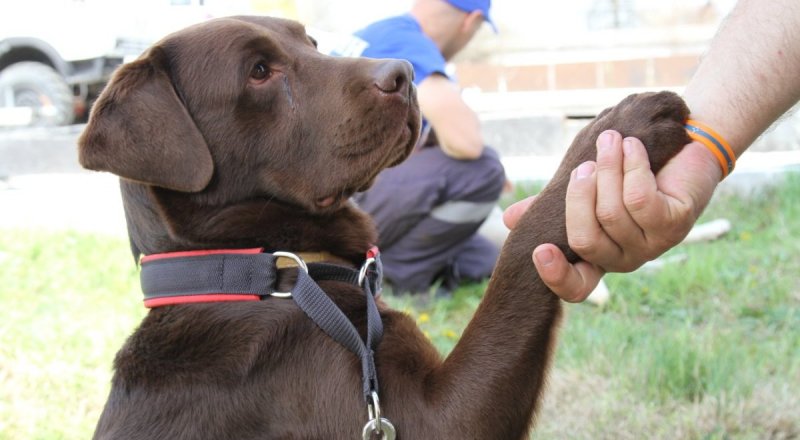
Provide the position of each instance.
(513, 213)
(571, 282)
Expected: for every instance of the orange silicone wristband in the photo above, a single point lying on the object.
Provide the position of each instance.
(714, 142)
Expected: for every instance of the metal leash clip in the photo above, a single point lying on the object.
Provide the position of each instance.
(377, 427)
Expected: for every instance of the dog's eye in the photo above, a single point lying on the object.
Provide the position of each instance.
(260, 72)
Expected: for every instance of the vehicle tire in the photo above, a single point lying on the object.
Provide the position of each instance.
(39, 86)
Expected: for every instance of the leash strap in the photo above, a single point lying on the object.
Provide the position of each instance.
(324, 312)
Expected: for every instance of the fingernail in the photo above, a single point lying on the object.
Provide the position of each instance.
(544, 257)
(605, 140)
(585, 170)
(627, 147)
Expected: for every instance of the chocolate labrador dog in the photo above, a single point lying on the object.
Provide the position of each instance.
(237, 134)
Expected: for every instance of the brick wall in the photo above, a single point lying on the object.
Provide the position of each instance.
(653, 72)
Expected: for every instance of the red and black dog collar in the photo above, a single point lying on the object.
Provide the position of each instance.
(222, 275)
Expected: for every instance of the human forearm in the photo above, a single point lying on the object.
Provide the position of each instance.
(456, 125)
(751, 73)
(460, 136)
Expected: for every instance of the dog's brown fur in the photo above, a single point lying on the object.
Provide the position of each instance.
(212, 155)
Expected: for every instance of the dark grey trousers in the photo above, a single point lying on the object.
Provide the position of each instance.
(427, 211)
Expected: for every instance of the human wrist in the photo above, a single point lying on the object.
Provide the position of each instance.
(716, 106)
(705, 164)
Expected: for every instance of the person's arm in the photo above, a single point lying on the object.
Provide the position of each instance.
(619, 215)
(751, 74)
(456, 125)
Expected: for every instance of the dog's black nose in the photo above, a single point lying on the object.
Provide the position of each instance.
(393, 76)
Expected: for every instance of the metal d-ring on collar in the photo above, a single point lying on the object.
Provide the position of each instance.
(300, 263)
(362, 273)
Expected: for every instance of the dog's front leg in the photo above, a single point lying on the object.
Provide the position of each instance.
(490, 385)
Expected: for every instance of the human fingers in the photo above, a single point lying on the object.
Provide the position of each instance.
(571, 282)
(616, 223)
(584, 232)
(626, 169)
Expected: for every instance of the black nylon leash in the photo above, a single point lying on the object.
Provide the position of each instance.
(322, 310)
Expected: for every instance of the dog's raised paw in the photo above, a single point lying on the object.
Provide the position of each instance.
(656, 119)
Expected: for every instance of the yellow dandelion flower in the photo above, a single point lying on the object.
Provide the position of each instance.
(745, 236)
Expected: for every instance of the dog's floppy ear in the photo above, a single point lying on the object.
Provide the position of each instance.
(140, 130)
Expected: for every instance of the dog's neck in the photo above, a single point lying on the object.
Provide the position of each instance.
(166, 221)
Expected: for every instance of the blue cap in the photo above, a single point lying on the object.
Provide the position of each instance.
(475, 5)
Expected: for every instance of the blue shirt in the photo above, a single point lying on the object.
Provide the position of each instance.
(398, 37)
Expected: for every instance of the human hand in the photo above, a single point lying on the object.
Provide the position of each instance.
(619, 215)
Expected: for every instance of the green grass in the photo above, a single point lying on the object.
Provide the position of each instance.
(708, 348)
(68, 301)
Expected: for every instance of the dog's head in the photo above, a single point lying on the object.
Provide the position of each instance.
(246, 107)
